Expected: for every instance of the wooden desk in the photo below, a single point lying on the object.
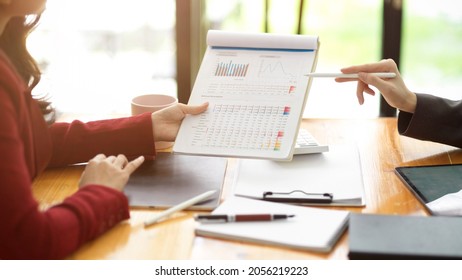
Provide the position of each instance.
(381, 150)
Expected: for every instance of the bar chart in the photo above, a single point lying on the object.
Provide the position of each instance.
(230, 69)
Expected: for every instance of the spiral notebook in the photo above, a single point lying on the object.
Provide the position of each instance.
(256, 88)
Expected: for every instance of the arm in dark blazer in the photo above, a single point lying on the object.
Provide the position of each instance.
(435, 119)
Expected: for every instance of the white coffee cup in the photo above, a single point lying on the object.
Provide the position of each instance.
(149, 103)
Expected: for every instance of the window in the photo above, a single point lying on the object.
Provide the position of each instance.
(431, 50)
(96, 55)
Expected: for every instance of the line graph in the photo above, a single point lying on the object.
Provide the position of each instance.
(273, 70)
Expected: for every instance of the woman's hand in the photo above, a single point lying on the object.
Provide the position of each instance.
(166, 122)
(112, 171)
(393, 90)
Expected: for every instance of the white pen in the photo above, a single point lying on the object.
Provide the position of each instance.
(179, 207)
(350, 76)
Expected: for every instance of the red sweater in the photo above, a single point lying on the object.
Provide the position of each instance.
(28, 145)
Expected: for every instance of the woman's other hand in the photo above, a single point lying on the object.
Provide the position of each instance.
(166, 122)
(111, 171)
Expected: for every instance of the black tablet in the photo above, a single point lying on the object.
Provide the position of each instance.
(171, 179)
(431, 182)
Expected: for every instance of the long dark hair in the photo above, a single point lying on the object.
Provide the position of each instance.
(13, 43)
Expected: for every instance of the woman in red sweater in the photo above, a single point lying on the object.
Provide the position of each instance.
(28, 145)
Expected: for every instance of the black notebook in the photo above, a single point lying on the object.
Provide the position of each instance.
(171, 179)
(404, 237)
(431, 182)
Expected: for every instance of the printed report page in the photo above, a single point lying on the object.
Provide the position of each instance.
(256, 98)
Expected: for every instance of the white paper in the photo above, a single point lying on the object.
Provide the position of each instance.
(447, 205)
(311, 228)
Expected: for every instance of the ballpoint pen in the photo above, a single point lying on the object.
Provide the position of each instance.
(350, 76)
(223, 218)
(179, 207)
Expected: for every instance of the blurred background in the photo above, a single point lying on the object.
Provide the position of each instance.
(97, 55)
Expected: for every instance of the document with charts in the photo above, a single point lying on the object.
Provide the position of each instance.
(256, 87)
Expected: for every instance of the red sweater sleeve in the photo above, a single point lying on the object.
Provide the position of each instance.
(62, 229)
(78, 142)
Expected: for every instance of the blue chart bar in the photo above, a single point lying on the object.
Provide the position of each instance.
(231, 69)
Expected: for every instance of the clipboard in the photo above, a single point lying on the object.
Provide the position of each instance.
(327, 179)
(298, 196)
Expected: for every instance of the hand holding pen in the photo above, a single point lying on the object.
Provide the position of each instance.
(393, 90)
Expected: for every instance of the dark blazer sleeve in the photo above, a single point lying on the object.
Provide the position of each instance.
(435, 119)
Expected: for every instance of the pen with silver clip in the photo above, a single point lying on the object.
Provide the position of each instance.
(218, 218)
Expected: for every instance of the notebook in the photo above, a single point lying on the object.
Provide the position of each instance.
(435, 186)
(311, 229)
(325, 179)
(404, 237)
(171, 179)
